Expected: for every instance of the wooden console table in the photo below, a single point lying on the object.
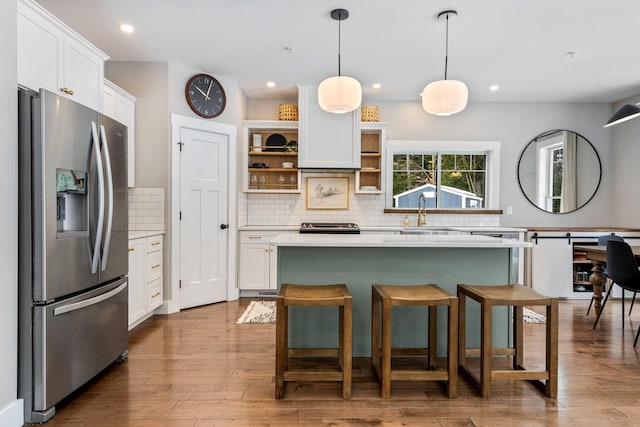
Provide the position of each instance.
(598, 255)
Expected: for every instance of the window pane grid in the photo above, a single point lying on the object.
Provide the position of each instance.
(461, 183)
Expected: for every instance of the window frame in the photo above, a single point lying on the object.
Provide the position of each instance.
(489, 148)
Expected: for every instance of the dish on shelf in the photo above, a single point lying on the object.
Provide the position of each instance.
(287, 165)
(276, 142)
(367, 168)
(258, 165)
(369, 188)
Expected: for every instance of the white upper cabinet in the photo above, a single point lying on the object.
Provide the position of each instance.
(121, 105)
(54, 57)
(327, 140)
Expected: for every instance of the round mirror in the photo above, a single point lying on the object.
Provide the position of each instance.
(559, 171)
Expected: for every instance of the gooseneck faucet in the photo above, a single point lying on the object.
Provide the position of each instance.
(422, 210)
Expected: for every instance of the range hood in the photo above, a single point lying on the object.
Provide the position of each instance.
(326, 140)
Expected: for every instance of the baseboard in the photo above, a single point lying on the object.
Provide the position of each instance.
(12, 415)
(258, 294)
(169, 306)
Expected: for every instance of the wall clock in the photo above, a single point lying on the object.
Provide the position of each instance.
(205, 95)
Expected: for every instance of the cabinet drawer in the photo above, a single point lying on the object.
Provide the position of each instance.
(258, 236)
(154, 243)
(154, 266)
(154, 299)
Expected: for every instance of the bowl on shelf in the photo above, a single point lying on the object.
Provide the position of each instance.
(287, 165)
(369, 188)
(258, 165)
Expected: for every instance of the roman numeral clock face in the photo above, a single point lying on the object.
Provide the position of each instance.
(205, 96)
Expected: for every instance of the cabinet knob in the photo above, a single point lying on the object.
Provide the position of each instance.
(155, 295)
(223, 226)
(155, 243)
(66, 90)
(132, 249)
(155, 266)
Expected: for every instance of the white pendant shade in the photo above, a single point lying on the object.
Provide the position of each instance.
(445, 97)
(339, 94)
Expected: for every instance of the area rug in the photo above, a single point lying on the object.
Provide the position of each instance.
(530, 316)
(259, 312)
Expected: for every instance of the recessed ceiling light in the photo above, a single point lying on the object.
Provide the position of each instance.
(376, 85)
(494, 88)
(126, 28)
(271, 84)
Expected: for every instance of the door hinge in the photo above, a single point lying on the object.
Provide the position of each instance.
(180, 144)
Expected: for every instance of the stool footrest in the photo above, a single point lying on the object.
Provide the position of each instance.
(313, 376)
(409, 352)
(495, 352)
(310, 352)
(419, 375)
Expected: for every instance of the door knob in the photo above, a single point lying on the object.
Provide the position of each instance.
(223, 226)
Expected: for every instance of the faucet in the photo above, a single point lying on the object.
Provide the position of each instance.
(422, 210)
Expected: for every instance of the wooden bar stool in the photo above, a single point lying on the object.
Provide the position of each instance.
(516, 296)
(420, 295)
(313, 295)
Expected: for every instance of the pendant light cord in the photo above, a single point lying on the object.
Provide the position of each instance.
(446, 51)
(339, 32)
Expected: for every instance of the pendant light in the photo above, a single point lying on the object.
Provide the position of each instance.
(626, 112)
(445, 97)
(339, 94)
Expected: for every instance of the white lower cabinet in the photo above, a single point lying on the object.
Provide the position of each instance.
(257, 260)
(145, 278)
(137, 293)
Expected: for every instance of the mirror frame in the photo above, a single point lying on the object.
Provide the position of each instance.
(550, 132)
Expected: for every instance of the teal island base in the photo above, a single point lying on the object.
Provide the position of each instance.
(360, 267)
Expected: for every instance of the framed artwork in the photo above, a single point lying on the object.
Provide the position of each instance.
(327, 192)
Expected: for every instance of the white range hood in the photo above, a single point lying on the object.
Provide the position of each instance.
(326, 140)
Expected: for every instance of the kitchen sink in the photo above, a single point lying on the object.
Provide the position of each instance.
(425, 230)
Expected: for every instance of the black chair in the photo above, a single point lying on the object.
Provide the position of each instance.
(622, 269)
(602, 241)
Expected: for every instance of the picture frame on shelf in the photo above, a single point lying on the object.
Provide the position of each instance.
(327, 192)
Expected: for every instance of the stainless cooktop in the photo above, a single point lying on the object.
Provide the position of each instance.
(330, 227)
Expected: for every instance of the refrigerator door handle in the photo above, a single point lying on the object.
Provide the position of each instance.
(95, 258)
(109, 186)
(88, 302)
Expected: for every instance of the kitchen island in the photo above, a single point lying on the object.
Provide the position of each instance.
(365, 259)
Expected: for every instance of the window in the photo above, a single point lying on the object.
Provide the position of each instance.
(555, 179)
(448, 174)
(550, 152)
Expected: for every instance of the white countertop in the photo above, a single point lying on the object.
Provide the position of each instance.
(395, 240)
(141, 234)
(390, 228)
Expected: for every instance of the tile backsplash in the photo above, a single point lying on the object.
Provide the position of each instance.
(365, 209)
(146, 209)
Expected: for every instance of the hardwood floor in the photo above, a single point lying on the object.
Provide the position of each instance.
(198, 368)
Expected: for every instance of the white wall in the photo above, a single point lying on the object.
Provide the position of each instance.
(514, 125)
(159, 88)
(235, 109)
(11, 410)
(625, 192)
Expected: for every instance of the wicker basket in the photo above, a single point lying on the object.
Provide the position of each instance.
(288, 112)
(370, 113)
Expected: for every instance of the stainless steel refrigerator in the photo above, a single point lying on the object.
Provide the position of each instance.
(73, 259)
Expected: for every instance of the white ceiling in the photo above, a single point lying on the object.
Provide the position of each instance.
(520, 45)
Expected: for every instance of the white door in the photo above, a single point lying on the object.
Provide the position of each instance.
(204, 217)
